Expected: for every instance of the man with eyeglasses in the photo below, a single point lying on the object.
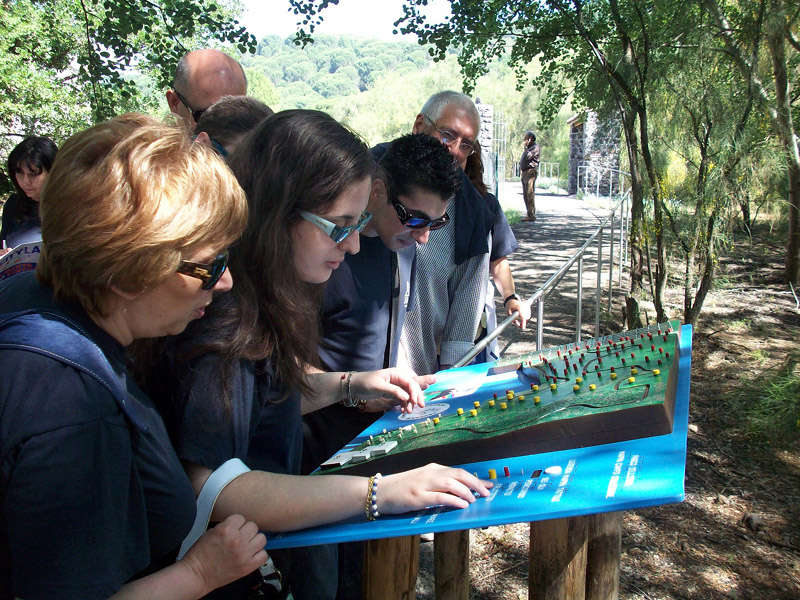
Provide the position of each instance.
(443, 326)
(201, 78)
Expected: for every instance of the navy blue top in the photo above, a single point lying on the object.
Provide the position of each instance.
(259, 428)
(356, 310)
(89, 501)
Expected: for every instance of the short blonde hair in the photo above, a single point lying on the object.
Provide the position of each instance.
(125, 201)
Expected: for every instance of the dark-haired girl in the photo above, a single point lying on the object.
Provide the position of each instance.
(237, 376)
(28, 165)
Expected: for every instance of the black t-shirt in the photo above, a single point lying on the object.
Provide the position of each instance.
(88, 500)
(504, 242)
(20, 222)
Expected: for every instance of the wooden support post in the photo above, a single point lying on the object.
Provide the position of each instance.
(557, 559)
(451, 565)
(390, 568)
(603, 555)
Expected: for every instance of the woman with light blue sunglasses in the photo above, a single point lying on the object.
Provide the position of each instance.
(235, 384)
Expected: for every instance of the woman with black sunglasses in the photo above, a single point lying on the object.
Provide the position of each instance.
(95, 503)
(237, 375)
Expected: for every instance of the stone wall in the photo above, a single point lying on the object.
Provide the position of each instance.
(593, 143)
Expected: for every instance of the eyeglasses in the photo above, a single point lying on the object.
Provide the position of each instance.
(448, 137)
(208, 273)
(196, 113)
(415, 219)
(337, 233)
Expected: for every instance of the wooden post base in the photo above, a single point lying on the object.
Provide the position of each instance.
(603, 555)
(451, 564)
(390, 568)
(557, 559)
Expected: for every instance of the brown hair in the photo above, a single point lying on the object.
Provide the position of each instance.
(296, 160)
(230, 118)
(474, 170)
(125, 201)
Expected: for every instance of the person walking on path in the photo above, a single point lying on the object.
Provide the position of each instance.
(529, 169)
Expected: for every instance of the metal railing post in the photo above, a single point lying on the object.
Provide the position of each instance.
(622, 215)
(579, 316)
(599, 283)
(539, 322)
(611, 262)
(555, 279)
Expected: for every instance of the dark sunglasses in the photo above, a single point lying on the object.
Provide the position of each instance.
(209, 273)
(196, 114)
(415, 219)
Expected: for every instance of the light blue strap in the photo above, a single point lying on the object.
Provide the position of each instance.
(222, 476)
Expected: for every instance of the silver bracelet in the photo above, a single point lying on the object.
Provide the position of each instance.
(348, 399)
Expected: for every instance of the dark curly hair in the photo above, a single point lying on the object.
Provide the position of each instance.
(419, 161)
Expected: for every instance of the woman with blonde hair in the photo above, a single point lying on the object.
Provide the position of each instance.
(136, 222)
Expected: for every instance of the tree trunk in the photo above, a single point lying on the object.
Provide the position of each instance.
(783, 123)
(780, 114)
(658, 217)
(637, 203)
(707, 278)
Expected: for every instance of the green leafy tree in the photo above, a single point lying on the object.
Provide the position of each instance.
(67, 63)
(259, 86)
(743, 28)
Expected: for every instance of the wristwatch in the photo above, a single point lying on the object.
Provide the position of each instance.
(510, 297)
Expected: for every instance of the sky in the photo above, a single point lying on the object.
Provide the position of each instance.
(364, 18)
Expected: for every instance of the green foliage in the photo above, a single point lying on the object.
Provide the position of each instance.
(513, 216)
(333, 66)
(769, 407)
(68, 63)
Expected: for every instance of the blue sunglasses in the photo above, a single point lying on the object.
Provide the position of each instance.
(337, 233)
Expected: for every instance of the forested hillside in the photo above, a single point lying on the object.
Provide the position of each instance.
(377, 88)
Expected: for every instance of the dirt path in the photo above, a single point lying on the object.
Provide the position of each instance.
(737, 534)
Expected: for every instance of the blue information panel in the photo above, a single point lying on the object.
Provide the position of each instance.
(551, 485)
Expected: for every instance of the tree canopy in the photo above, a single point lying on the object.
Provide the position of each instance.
(68, 63)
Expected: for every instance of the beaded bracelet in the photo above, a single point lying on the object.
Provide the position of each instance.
(371, 501)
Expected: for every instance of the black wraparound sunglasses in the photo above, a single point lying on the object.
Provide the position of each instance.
(415, 219)
(208, 273)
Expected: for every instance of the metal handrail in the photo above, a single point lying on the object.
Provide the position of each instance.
(598, 173)
(539, 295)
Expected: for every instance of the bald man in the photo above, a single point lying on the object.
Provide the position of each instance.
(202, 78)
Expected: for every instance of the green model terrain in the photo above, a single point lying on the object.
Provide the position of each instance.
(620, 372)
